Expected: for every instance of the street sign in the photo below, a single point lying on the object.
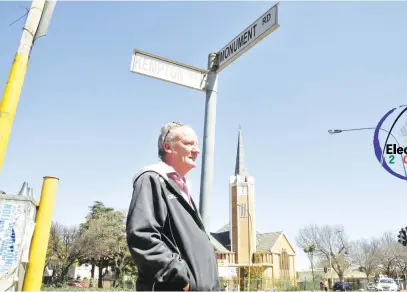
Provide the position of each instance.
(168, 70)
(253, 34)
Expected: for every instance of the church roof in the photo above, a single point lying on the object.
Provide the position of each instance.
(265, 241)
(240, 168)
(217, 245)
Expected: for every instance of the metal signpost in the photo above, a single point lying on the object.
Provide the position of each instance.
(207, 81)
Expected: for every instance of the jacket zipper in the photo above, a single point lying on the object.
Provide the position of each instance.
(200, 223)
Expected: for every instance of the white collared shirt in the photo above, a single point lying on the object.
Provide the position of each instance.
(167, 169)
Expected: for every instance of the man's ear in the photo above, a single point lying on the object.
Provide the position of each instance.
(167, 147)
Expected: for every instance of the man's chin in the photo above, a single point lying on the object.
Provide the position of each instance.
(192, 164)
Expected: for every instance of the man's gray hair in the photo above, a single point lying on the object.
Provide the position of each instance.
(168, 134)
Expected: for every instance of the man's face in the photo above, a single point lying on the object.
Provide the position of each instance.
(184, 150)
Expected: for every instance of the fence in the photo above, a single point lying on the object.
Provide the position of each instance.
(267, 284)
(256, 284)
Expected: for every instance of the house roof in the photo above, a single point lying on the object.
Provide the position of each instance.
(265, 241)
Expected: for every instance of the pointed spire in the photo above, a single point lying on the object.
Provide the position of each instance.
(240, 168)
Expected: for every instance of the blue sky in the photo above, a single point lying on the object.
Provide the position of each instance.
(84, 118)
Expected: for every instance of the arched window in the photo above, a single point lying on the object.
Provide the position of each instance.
(284, 264)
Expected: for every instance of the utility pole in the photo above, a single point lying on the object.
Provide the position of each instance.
(332, 275)
(40, 239)
(36, 25)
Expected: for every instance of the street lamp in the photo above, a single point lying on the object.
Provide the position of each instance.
(337, 131)
(250, 249)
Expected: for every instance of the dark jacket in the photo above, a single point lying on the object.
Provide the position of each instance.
(167, 239)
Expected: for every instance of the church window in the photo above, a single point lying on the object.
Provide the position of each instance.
(244, 191)
(284, 263)
(243, 210)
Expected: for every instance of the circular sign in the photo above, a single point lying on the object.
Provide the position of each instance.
(390, 148)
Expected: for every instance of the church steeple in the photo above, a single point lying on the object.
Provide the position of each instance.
(240, 168)
(242, 233)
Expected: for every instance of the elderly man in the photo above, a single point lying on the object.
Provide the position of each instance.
(165, 234)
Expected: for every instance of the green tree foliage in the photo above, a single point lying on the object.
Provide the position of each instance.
(100, 241)
(109, 235)
(66, 245)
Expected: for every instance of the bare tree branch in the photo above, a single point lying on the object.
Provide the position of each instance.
(331, 243)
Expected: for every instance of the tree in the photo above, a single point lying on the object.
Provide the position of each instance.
(112, 242)
(100, 241)
(66, 245)
(309, 250)
(95, 211)
(387, 256)
(98, 208)
(365, 254)
(401, 260)
(107, 230)
(331, 244)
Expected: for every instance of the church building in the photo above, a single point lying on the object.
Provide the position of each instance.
(265, 260)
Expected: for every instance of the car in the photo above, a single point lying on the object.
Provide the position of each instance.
(342, 286)
(386, 284)
(371, 286)
(75, 283)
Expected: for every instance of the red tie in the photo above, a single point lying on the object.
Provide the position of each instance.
(180, 182)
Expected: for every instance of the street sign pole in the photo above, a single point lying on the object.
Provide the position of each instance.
(208, 150)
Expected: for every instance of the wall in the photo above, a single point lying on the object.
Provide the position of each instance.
(282, 243)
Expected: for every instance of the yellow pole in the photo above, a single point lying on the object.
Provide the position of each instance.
(12, 91)
(39, 242)
(238, 279)
(326, 279)
(248, 282)
(249, 226)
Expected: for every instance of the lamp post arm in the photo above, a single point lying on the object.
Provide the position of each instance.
(360, 129)
(372, 128)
